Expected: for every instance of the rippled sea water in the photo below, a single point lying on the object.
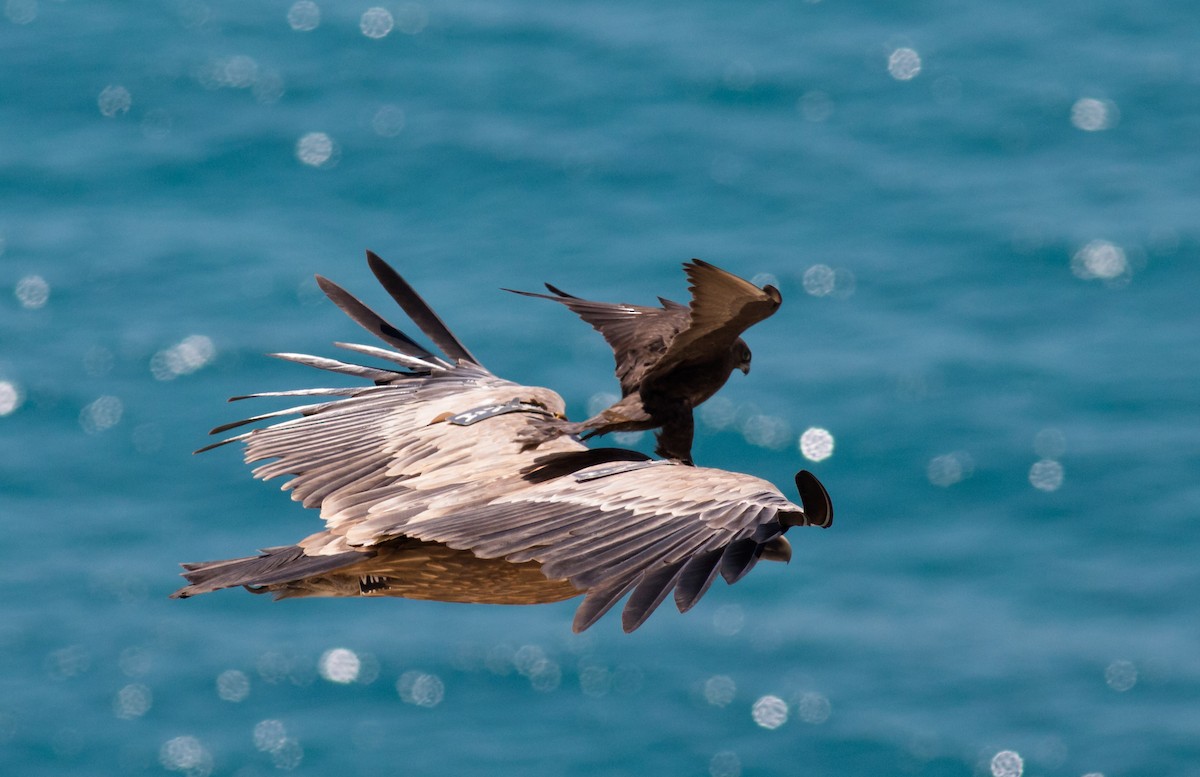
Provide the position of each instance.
(983, 219)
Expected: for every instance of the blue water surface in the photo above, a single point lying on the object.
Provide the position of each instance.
(983, 219)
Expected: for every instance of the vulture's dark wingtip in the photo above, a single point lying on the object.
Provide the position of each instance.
(818, 507)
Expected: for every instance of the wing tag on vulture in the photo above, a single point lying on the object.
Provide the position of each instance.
(615, 469)
(475, 415)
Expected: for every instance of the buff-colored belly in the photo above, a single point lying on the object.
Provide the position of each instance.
(424, 570)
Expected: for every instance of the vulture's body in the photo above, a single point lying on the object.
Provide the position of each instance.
(427, 492)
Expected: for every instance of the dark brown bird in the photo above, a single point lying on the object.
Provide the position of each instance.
(670, 358)
(426, 492)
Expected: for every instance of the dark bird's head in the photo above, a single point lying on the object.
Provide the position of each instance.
(741, 356)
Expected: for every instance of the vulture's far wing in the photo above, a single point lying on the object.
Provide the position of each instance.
(638, 335)
(416, 431)
(723, 306)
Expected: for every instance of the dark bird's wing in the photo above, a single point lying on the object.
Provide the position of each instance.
(638, 335)
(723, 306)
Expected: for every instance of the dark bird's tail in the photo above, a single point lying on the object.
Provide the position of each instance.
(542, 429)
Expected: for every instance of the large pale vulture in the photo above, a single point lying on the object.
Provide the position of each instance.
(670, 358)
(427, 493)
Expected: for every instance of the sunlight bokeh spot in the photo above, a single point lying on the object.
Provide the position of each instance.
(819, 280)
(102, 414)
(32, 292)
(304, 16)
(719, 690)
(316, 149)
(1092, 115)
(595, 680)
(421, 688)
(132, 701)
(388, 121)
(1046, 475)
(269, 734)
(287, 755)
(183, 358)
(526, 656)
(766, 431)
(950, 468)
(718, 413)
(813, 708)
(1099, 259)
(904, 64)
(1121, 676)
(339, 665)
(186, 754)
(68, 662)
(10, 397)
(725, 764)
(239, 71)
(376, 22)
(770, 712)
(1007, 763)
(21, 11)
(816, 444)
(114, 100)
(233, 685)
(545, 675)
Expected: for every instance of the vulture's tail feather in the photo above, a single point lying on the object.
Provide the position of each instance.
(274, 565)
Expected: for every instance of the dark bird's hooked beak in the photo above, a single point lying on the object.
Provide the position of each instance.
(744, 367)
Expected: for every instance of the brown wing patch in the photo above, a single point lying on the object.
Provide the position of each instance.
(723, 306)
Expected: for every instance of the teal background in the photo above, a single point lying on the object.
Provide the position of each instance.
(953, 613)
